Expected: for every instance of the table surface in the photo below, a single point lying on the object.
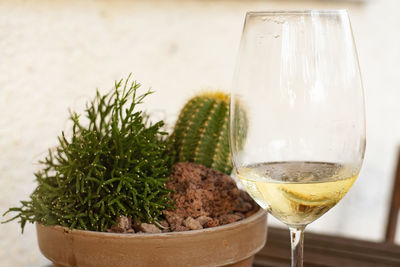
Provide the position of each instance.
(326, 250)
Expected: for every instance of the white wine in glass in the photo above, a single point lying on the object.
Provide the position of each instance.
(299, 145)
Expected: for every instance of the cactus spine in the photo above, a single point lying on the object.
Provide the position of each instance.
(201, 134)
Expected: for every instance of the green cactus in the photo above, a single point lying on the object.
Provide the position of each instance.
(201, 134)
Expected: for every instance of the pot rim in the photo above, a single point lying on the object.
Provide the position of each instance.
(225, 227)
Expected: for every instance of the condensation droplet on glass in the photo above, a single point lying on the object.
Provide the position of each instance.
(276, 36)
(279, 20)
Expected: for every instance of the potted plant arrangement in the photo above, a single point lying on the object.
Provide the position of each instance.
(120, 191)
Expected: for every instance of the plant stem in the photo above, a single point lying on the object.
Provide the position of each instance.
(297, 240)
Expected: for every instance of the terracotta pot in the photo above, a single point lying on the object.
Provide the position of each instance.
(229, 245)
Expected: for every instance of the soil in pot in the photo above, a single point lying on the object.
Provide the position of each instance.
(203, 198)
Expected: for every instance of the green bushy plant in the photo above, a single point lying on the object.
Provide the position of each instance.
(115, 164)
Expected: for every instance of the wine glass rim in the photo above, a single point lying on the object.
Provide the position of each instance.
(297, 12)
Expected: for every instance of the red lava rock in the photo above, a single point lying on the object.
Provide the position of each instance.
(240, 214)
(212, 223)
(199, 191)
(115, 229)
(229, 218)
(203, 198)
(246, 205)
(181, 228)
(173, 219)
(124, 222)
(243, 206)
(149, 228)
(203, 220)
(245, 197)
(248, 214)
(192, 224)
(124, 225)
(164, 224)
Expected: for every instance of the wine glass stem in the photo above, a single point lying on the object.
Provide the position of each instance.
(296, 240)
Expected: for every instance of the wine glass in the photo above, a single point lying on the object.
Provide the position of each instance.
(297, 114)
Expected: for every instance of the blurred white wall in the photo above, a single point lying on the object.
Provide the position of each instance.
(53, 54)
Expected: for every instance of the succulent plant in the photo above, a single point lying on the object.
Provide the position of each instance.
(115, 164)
(201, 133)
